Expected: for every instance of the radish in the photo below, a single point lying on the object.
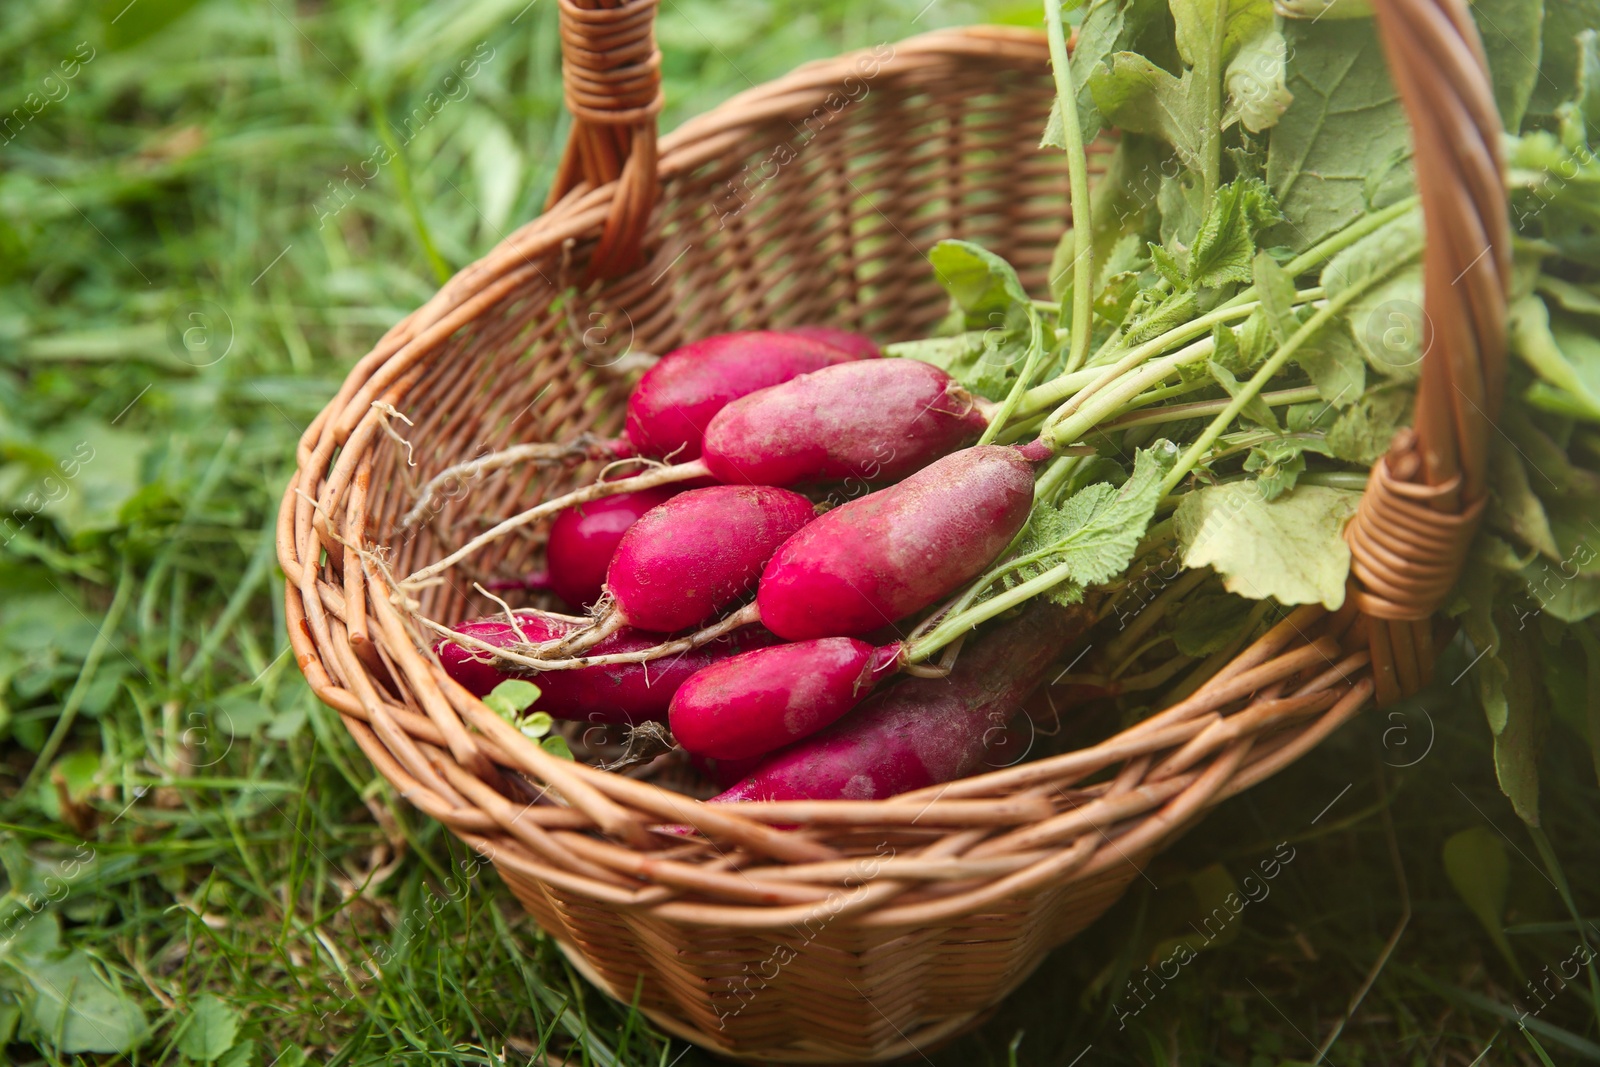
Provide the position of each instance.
(858, 345)
(584, 538)
(724, 772)
(922, 731)
(635, 692)
(874, 419)
(1009, 745)
(894, 552)
(757, 701)
(687, 559)
(607, 693)
(532, 582)
(471, 666)
(676, 399)
(673, 402)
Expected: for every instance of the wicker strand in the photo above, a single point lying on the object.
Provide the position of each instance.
(611, 75)
(1424, 499)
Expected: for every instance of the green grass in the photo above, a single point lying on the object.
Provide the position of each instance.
(227, 871)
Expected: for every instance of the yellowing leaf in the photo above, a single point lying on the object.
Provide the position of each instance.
(1257, 95)
(1290, 549)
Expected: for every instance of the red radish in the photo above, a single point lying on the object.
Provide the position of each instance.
(724, 772)
(857, 344)
(1009, 745)
(471, 666)
(584, 538)
(532, 582)
(606, 693)
(899, 550)
(923, 730)
(635, 692)
(676, 399)
(687, 559)
(879, 418)
(758, 701)
(1035, 451)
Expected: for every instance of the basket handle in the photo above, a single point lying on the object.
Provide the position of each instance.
(611, 77)
(1410, 536)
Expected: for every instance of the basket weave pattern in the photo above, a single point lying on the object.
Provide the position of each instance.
(808, 932)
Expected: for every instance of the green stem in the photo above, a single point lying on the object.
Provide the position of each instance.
(1078, 385)
(1272, 366)
(1117, 650)
(958, 623)
(1239, 306)
(1026, 430)
(1060, 471)
(1244, 442)
(1179, 412)
(1167, 392)
(1058, 474)
(1014, 397)
(1041, 398)
(1078, 189)
(1208, 80)
(1335, 479)
(1063, 430)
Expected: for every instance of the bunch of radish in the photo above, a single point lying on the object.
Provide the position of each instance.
(754, 619)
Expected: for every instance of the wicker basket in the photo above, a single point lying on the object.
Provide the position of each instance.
(861, 931)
